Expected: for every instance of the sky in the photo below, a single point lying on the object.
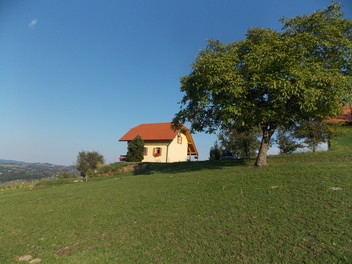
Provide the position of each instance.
(76, 75)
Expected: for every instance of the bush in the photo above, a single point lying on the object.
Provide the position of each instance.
(110, 168)
(66, 175)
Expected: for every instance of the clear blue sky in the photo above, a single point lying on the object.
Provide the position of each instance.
(76, 74)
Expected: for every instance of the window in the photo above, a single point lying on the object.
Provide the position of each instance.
(157, 152)
(179, 139)
(145, 151)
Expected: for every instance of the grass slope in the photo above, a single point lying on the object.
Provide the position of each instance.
(204, 212)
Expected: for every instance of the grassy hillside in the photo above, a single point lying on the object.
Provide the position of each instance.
(298, 210)
(344, 141)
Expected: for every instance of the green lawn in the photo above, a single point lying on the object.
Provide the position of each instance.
(344, 141)
(203, 212)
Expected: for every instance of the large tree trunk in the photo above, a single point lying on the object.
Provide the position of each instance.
(264, 146)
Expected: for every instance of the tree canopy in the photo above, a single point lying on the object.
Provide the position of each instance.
(87, 160)
(271, 78)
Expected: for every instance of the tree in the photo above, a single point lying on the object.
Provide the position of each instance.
(242, 144)
(135, 150)
(215, 152)
(286, 141)
(271, 78)
(87, 161)
(314, 132)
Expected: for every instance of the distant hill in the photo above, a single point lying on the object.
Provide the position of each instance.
(11, 170)
(11, 161)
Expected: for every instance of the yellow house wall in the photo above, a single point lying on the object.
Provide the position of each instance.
(176, 152)
(149, 157)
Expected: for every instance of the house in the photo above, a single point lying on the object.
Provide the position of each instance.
(162, 143)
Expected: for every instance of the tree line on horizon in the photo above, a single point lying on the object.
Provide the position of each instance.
(307, 135)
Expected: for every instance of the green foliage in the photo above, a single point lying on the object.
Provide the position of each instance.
(110, 169)
(309, 133)
(313, 132)
(241, 144)
(88, 161)
(66, 175)
(286, 142)
(272, 78)
(91, 173)
(135, 150)
(215, 152)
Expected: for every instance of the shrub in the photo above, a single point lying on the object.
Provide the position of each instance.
(135, 152)
(110, 168)
(66, 175)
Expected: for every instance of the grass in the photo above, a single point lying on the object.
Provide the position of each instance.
(344, 141)
(203, 212)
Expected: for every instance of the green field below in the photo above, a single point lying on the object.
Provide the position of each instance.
(297, 210)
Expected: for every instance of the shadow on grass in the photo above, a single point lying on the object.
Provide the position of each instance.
(179, 167)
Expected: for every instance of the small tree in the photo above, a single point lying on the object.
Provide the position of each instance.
(135, 150)
(314, 132)
(286, 141)
(215, 152)
(88, 161)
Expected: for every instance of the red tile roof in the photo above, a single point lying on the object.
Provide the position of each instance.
(346, 116)
(153, 131)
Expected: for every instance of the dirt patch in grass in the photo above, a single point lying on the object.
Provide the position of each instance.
(25, 258)
(66, 250)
